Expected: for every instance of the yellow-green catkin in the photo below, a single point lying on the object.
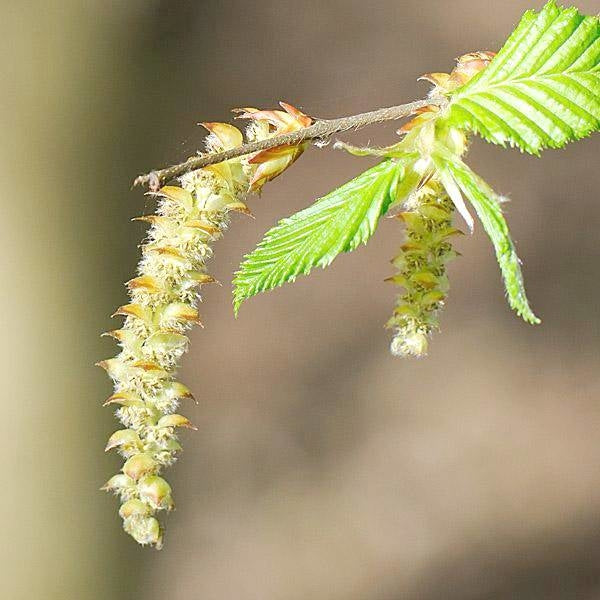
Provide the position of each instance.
(421, 266)
(422, 260)
(163, 307)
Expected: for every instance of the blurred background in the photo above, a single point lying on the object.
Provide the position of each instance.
(324, 468)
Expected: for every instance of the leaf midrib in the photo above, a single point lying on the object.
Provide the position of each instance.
(531, 78)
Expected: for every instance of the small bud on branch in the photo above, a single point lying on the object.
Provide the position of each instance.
(320, 130)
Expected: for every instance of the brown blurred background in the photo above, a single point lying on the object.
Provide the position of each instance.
(324, 468)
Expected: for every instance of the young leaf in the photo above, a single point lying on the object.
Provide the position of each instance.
(336, 223)
(487, 206)
(542, 90)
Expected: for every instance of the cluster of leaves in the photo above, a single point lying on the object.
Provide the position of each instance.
(540, 91)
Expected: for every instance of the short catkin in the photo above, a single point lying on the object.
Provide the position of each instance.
(427, 216)
(421, 266)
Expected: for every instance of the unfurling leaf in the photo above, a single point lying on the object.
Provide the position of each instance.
(487, 206)
(542, 90)
(336, 223)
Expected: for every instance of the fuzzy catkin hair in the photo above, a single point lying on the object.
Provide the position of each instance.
(163, 307)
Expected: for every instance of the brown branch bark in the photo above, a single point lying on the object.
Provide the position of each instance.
(321, 130)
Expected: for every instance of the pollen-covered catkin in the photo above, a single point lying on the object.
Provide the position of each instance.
(163, 307)
(421, 266)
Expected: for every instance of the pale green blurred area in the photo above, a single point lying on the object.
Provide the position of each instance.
(324, 468)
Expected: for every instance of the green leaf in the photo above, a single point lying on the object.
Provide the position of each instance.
(542, 90)
(336, 223)
(487, 206)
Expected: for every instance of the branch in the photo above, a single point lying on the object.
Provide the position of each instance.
(321, 130)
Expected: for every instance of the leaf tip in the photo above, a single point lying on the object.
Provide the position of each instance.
(238, 298)
(531, 319)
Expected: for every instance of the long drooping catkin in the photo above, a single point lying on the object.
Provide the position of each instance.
(163, 307)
